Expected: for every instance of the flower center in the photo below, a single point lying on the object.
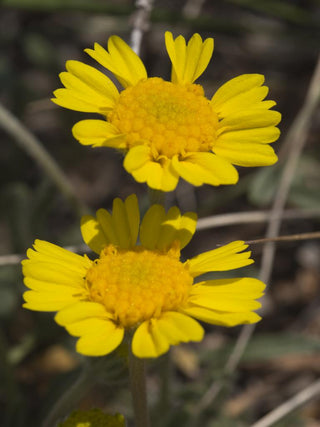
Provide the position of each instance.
(135, 285)
(172, 119)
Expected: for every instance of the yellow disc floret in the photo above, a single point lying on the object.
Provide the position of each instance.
(138, 284)
(172, 119)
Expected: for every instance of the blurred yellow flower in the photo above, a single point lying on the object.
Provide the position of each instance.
(93, 418)
(170, 129)
(140, 287)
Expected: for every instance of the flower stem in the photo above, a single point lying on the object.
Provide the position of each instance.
(156, 197)
(165, 376)
(138, 390)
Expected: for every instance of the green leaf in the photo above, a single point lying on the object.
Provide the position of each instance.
(263, 186)
(304, 191)
(264, 347)
(271, 346)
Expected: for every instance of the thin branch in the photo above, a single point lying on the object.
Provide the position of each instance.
(288, 238)
(251, 217)
(26, 140)
(13, 259)
(140, 23)
(298, 140)
(290, 405)
(192, 8)
(137, 375)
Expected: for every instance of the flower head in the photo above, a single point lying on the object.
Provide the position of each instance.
(142, 287)
(93, 418)
(170, 129)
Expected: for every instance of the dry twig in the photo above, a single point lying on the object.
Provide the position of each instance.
(140, 23)
(297, 143)
(192, 8)
(298, 139)
(290, 405)
(252, 217)
(290, 238)
(13, 259)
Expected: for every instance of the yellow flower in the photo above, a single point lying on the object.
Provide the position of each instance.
(170, 129)
(93, 418)
(141, 287)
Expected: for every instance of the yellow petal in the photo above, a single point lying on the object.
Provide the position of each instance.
(157, 176)
(136, 158)
(205, 168)
(226, 295)
(188, 61)
(81, 90)
(249, 119)
(79, 311)
(87, 326)
(121, 224)
(159, 229)
(140, 164)
(120, 228)
(262, 135)
(235, 88)
(241, 93)
(176, 328)
(105, 221)
(36, 260)
(120, 60)
(246, 154)
(68, 99)
(101, 341)
(151, 226)
(52, 272)
(153, 338)
(55, 276)
(48, 301)
(228, 257)
(94, 90)
(187, 228)
(241, 288)
(94, 79)
(251, 98)
(47, 287)
(92, 234)
(133, 217)
(221, 318)
(226, 303)
(45, 251)
(176, 227)
(98, 133)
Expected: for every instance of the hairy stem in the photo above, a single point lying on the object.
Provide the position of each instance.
(138, 390)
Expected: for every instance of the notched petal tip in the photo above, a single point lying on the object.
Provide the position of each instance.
(189, 60)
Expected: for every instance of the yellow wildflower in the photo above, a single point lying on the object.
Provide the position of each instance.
(170, 129)
(93, 418)
(141, 287)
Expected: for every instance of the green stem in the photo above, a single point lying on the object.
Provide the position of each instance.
(138, 390)
(28, 142)
(108, 368)
(165, 370)
(156, 197)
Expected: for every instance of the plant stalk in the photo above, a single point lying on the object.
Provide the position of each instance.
(138, 390)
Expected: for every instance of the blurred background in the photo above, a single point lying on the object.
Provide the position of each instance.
(279, 39)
